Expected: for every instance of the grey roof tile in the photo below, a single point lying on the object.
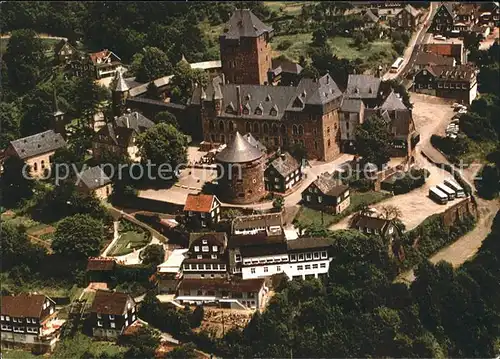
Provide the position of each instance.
(134, 120)
(362, 86)
(285, 164)
(393, 102)
(38, 144)
(94, 177)
(238, 151)
(243, 23)
(351, 105)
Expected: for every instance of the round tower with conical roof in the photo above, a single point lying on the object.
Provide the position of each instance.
(240, 168)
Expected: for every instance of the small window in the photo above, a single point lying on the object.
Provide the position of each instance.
(196, 248)
(322, 265)
(324, 254)
(252, 270)
(266, 269)
(300, 267)
(214, 256)
(111, 317)
(308, 256)
(315, 266)
(113, 325)
(99, 323)
(301, 257)
(316, 255)
(205, 248)
(308, 266)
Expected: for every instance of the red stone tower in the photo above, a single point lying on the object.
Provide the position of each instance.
(245, 49)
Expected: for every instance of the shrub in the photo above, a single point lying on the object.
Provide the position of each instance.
(284, 45)
(407, 183)
(399, 46)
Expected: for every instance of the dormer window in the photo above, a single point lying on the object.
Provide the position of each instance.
(268, 98)
(230, 108)
(298, 103)
(246, 109)
(356, 90)
(247, 97)
(259, 109)
(274, 111)
(370, 90)
(303, 94)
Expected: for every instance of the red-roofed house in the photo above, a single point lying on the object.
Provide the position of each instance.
(202, 209)
(29, 320)
(100, 64)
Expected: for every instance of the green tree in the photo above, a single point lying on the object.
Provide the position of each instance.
(154, 64)
(373, 140)
(142, 343)
(153, 255)
(18, 250)
(319, 37)
(163, 143)
(185, 351)
(10, 118)
(184, 80)
(278, 203)
(197, 316)
(16, 184)
(25, 60)
(166, 117)
(78, 237)
(37, 111)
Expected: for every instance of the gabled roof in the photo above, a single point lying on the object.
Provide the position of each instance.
(352, 105)
(285, 65)
(243, 23)
(212, 238)
(393, 102)
(330, 186)
(362, 86)
(238, 151)
(119, 136)
(317, 91)
(135, 120)
(448, 6)
(61, 44)
(38, 144)
(285, 164)
(308, 243)
(94, 177)
(24, 305)
(371, 16)
(107, 302)
(101, 55)
(460, 72)
(199, 202)
(255, 221)
(369, 222)
(409, 9)
(429, 58)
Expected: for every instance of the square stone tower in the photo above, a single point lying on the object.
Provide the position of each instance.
(245, 49)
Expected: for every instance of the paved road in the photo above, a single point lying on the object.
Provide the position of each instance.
(413, 48)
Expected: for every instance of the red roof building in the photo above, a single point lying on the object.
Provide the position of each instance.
(202, 210)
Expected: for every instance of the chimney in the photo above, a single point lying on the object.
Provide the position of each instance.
(238, 99)
(223, 78)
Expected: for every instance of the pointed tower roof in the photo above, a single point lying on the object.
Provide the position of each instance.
(239, 151)
(57, 111)
(121, 85)
(393, 102)
(243, 23)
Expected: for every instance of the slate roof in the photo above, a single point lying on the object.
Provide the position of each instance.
(259, 220)
(351, 105)
(24, 305)
(213, 238)
(285, 164)
(94, 177)
(134, 120)
(221, 284)
(121, 85)
(371, 16)
(238, 151)
(285, 65)
(119, 136)
(243, 23)
(362, 86)
(370, 222)
(429, 58)
(308, 243)
(393, 102)
(460, 72)
(107, 302)
(36, 145)
(199, 202)
(250, 240)
(330, 186)
(254, 142)
(269, 98)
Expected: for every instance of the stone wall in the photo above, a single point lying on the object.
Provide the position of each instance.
(458, 211)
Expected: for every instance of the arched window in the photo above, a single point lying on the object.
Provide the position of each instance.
(295, 130)
(248, 127)
(283, 129)
(301, 130)
(222, 139)
(315, 145)
(231, 126)
(275, 128)
(256, 128)
(221, 125)
(211, 124)
(265, 128)
(212, 138)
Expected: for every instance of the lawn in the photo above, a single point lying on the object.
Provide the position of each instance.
(379, 52)
(127, 242)
(308, 216)
(76, 346)
(288, 7)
